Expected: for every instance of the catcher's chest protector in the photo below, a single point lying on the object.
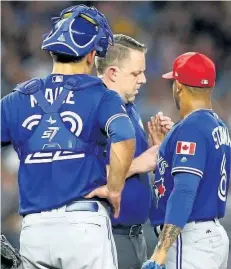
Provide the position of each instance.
(51, 133)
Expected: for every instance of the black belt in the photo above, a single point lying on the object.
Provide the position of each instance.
(159, 228)
(133, 230)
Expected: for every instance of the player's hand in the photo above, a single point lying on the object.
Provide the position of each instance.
(155, 130)
(149, 264)
(113, 197)
(165, 122)
(150, 143)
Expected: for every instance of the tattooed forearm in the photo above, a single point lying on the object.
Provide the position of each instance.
(168, 236)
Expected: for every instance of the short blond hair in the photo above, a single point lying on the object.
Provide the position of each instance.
(123, 44)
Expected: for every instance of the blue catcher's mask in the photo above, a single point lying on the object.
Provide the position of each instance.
(79, 30)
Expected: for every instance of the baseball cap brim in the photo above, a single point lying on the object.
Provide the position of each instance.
(168, 75)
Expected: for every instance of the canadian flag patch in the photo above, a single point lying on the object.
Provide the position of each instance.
(187, 148)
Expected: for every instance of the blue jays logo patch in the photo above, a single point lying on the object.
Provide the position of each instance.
(159, 189)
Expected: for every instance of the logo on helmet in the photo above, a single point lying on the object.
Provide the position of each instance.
(78, 31)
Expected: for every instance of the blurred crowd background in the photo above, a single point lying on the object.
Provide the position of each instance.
(167, 28)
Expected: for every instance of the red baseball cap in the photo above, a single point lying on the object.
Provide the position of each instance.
(193, 69)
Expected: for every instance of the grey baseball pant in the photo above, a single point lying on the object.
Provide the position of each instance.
(200, 245)
(131, 250)
(68, 240)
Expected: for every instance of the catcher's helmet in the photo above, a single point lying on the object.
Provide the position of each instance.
(79, 30)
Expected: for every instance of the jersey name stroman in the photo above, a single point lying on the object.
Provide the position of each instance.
(221, 137)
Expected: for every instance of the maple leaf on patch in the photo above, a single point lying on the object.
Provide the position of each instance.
(185, 147)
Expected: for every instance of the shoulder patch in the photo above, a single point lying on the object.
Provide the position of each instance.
(186, 148)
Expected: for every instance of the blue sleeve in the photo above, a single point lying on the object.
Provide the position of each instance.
(180, 202)
(121, 129)
(113, 118)
(5, 133)
(118, 131)
(189, 151)
(107, 152)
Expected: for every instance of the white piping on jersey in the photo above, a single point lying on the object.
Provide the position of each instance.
(187, 169)
(113, 118)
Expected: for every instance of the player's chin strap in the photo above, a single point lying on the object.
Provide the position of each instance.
(51, 133)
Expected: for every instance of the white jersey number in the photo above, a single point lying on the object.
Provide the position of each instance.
(222, 189)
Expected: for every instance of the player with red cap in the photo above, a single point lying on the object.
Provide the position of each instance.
(193, 69)
(193, 167)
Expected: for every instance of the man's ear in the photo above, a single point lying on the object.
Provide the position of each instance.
(112, 72)
(91, 57)
(179, 87)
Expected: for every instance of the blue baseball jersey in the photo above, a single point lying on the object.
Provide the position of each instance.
(51, 179)
(136, 196)
(200, 144)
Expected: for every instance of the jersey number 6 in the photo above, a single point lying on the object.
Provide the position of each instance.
(223, 183)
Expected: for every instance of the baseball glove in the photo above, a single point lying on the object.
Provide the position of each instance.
(10, 257)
